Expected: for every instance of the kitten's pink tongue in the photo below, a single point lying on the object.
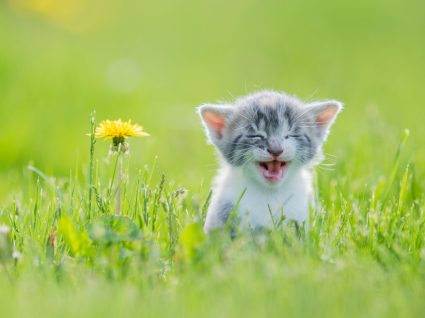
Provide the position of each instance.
(274, 171)
(273, 166)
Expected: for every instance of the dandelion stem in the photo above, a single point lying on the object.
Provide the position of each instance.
(111, 183)
(119, 182)
(91, 167)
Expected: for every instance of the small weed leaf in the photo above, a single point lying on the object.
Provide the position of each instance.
(76, 240)
(191, 240)
(113, 229)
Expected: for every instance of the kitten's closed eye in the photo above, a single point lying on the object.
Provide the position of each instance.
(293, 136)
(259, 137)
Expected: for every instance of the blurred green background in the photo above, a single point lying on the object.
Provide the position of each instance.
(155, 61)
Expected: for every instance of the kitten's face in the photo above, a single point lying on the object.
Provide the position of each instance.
(269, 135)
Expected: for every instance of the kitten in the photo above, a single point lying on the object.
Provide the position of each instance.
(267, 142)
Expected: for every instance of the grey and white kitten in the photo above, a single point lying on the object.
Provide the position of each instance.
(267, 142)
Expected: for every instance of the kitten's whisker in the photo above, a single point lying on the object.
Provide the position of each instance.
(247, 160)
(247, 118)
(242, 127)
(236, 155)
(303, 113)
(308, 125)
(324, 168)
(312, 95)
(231, 95)
(328, 156)
(327, 164)
(308, 122)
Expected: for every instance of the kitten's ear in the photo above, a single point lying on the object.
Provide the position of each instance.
(324, 114)
(215, 119)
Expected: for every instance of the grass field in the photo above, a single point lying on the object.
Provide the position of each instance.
(154, 62)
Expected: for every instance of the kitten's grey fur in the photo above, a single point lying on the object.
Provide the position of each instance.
(267, 143)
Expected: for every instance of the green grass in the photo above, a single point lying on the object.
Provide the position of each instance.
(364, 254)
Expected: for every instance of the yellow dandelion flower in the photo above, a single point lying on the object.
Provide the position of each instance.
(119, 129)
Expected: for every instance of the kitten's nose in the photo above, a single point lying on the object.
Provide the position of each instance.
(275, 151)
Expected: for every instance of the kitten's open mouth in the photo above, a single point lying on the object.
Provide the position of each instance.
(273, 171)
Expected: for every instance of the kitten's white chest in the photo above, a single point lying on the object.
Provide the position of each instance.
(263, 208)
(260, 206)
